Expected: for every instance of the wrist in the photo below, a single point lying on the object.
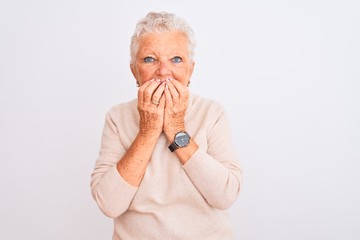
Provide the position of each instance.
(181, 140)
(170, 134)
(148, 136)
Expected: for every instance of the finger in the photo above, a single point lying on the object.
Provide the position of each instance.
(155, 99)
(162, 101)
(168, 97)
(149, 91)
(173, 92)
(142, 89)
(182, 90)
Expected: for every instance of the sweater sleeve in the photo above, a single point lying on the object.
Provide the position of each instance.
(110, 191)
(215, 171)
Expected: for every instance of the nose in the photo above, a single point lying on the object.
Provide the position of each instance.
(163, 69)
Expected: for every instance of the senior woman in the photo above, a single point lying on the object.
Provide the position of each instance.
(167, 168)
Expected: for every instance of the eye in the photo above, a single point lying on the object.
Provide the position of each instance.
(176, 59)
(149, 59)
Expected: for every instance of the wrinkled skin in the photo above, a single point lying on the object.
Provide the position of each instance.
(163, 69)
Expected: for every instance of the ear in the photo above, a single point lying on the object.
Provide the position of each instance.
(191, 70)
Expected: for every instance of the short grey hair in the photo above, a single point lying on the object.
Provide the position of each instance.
(158, 23)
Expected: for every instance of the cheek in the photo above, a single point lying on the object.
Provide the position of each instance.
(182, 73)
(146, 72)
(182, 76)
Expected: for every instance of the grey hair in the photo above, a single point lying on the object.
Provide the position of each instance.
(158, 23)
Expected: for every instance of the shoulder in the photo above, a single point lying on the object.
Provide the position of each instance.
(205, 104)
(205, 112)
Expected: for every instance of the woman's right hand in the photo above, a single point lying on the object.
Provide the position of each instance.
(132, 165)
(151, 114)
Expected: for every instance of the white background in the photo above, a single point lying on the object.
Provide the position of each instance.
(287, 72)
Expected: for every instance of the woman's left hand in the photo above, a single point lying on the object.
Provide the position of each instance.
(176, 101)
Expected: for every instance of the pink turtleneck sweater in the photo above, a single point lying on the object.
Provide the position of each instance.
(173, 201)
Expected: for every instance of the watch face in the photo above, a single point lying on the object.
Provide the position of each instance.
(182, 139)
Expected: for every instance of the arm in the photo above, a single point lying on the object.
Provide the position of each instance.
(109, 189)
(119, 171)
(215, 171)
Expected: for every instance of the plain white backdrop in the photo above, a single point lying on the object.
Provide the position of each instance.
(287, 72)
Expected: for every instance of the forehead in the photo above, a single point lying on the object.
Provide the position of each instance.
(163, 43)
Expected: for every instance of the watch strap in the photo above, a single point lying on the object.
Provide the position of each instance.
(173, 147)
(181, 139)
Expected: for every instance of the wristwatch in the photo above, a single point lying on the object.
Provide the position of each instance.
(182, 139)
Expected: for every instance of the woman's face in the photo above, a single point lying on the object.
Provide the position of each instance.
(162, 56)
